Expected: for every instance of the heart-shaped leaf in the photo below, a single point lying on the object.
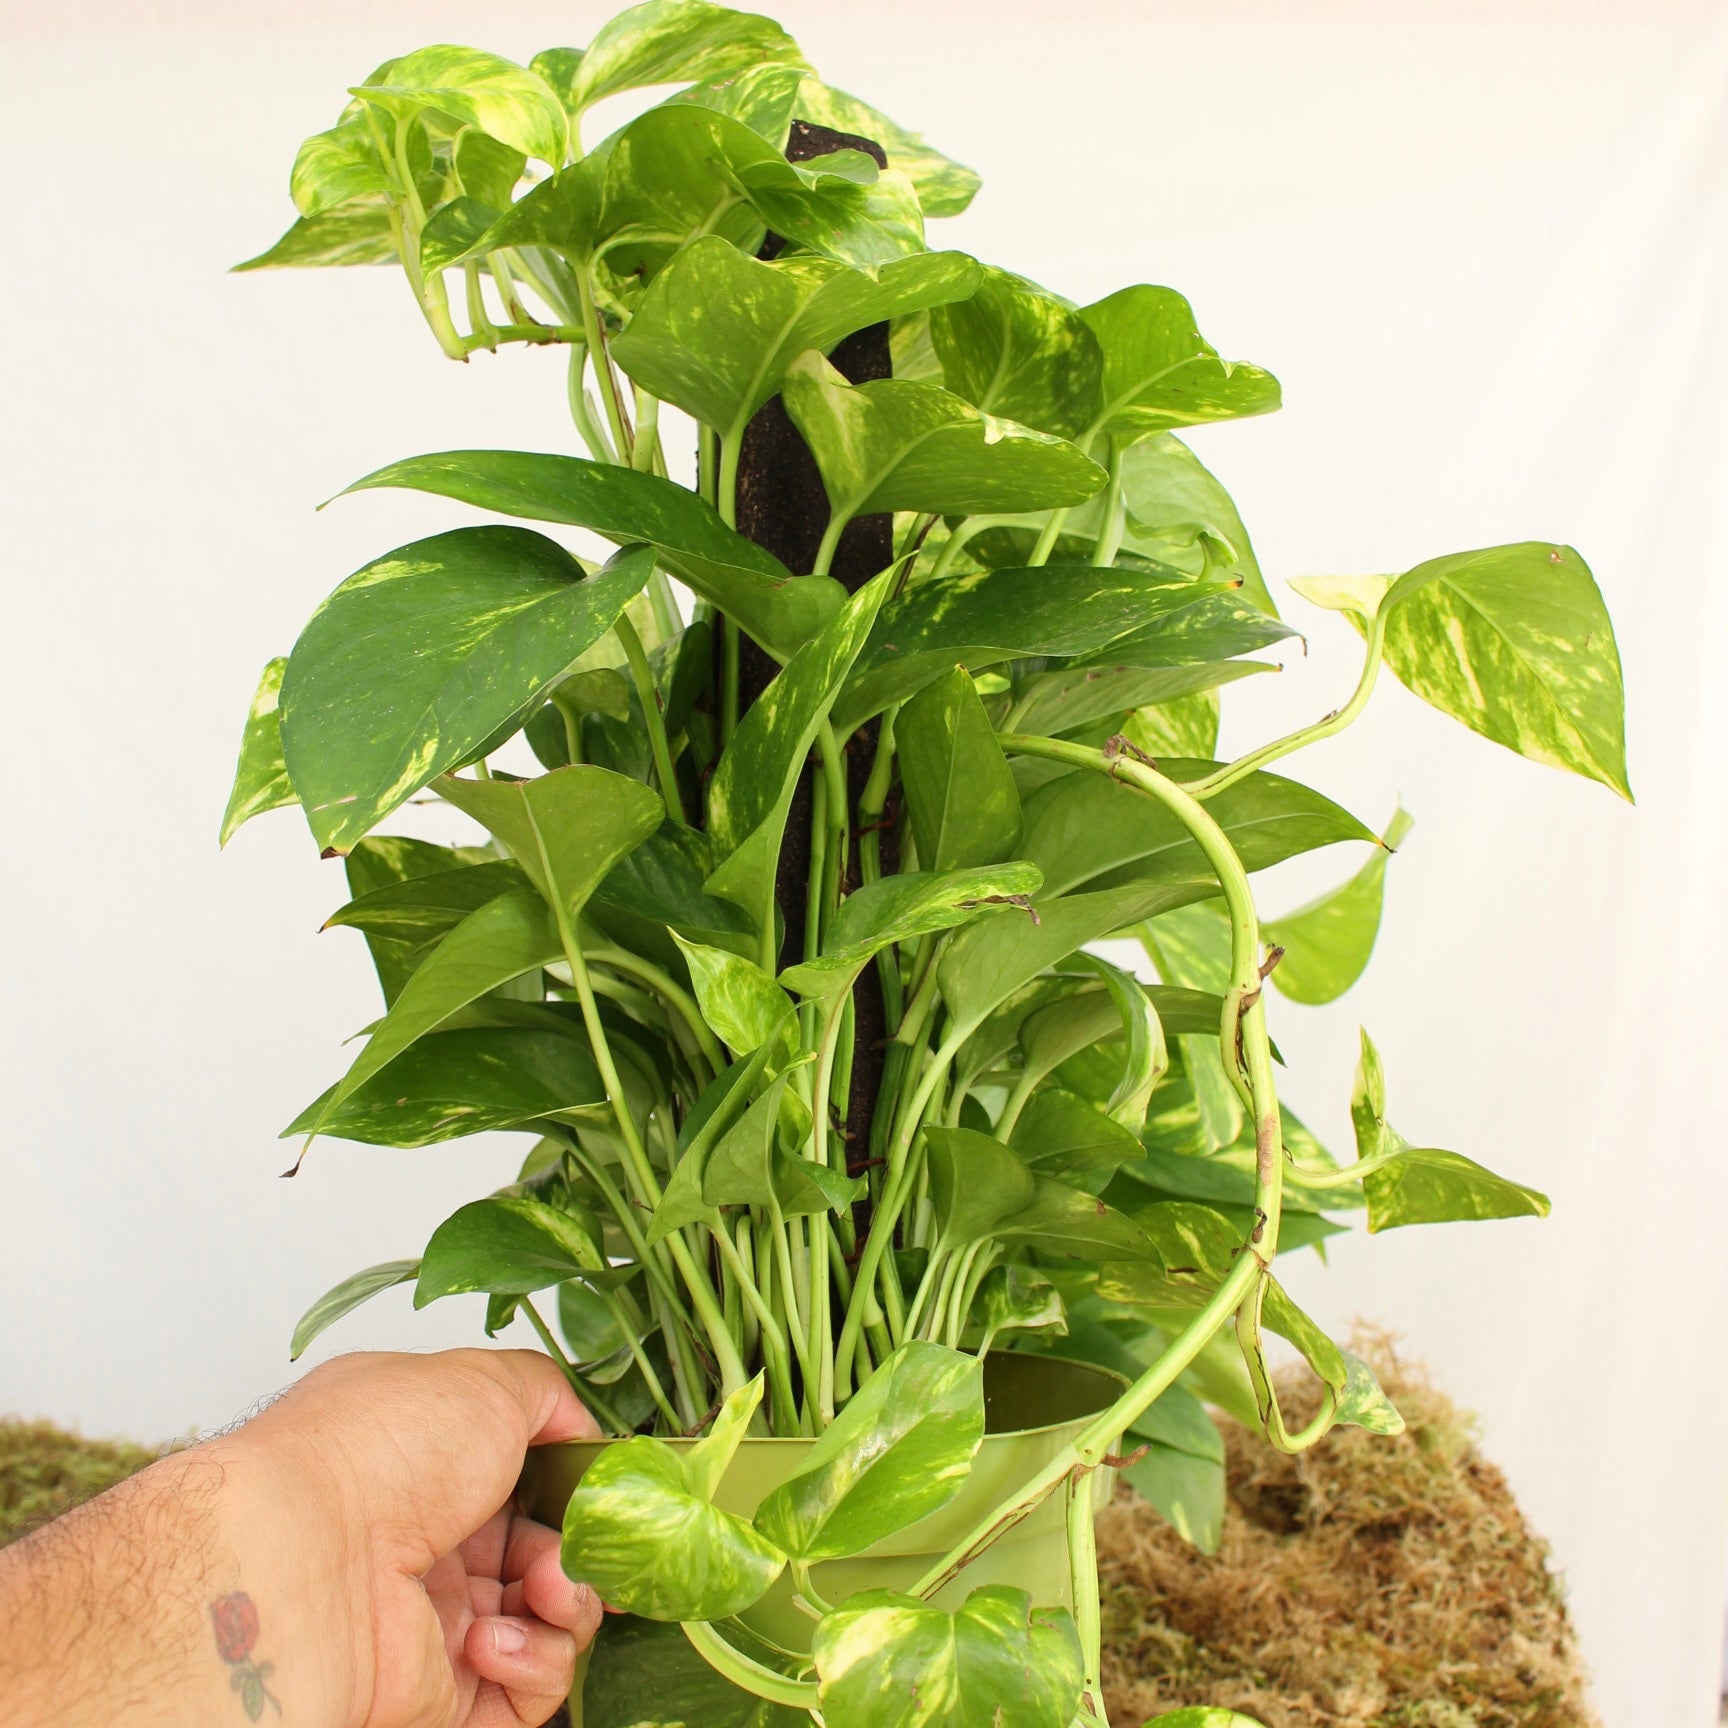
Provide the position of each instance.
(423, 908)
(747, 583)
(1068, 1223)
(505, 101)
(357, 233)
(1016, 1298)
(1059, 1134)
(743, 1005)
(461, 1082)
(943, 186)
(1087, 831)
(901, 908)
(1515, 642)
(674, 42)
(900, 1450)
(960, 791)
(641, 1529)
(975, 1183)
(261, 777)
(902, 444)
(892, 1661)
(1013, 349)
(419, 659)
(345, 1297)
(716, 331)
(1160, 372)
(507, 1245)
(751, 792)
(505, 938)
(978, 620)
(1422, 1184)
(567, 829)
(1327, 942)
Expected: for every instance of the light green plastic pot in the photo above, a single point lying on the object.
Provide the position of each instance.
(1034, 1406)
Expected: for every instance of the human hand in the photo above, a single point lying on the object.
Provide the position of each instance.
(352, 1549)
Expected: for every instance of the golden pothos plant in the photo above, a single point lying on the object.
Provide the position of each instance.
(783, 959)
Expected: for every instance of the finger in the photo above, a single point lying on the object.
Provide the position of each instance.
(535, 1664)
(483, 1553)
(537, 1580)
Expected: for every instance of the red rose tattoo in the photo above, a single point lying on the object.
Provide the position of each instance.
(235, 1619)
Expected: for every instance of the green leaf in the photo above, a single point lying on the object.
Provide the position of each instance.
(640, 1529)
(1515, 642)
(762, 96)
(346, 1297)
(461, 1082)
(1327, 942)
(505, 938)
(562, 213)
(979, 620)
(426, 654)
(1183, 726)
(1087, 831)
(989, 960)
(960, 791)
(900, 444)
(337, 167)
(891, 1661)
(1064, 702)
(716, 331)
(1067, 1223)
(1178, 513)
(567, 829)
(1015, 350)
(706, 1462)
(751, 791)
(675, 42)
(644, 1674)
(1059, 1134)
(1158, 370)
(900, 1450)
(1214, 627)
(420, 909)
(1423, 1185)
(901, 908)
(387, 860)
(943, 186)
(975, 1183)
(749, 584)
(455, 232)
(1357, 1398)
(505, 101)
(260, 779)
(1016, 1298)
(657, 889)
(357, 233)
(743, 1005)
(507, 1245)
(1187, 1491)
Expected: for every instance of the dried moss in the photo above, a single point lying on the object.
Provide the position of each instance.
(45, 1471)
(1368, 1583)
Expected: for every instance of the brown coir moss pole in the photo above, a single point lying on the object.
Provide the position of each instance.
(782, 506)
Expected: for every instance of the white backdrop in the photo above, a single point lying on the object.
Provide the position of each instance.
(1482, 247)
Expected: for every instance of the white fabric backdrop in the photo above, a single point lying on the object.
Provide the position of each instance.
(1485, 255)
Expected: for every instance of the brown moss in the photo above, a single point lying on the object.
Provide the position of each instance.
(45, 1471)
(1367, 1583)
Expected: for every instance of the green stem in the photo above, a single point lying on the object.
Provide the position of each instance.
(592, 1401)
(1115, 515)
(774, 1353)
(582, 406)
(958, 535)
(1083, 1585)
(676, 995)
(1093, 1443)
(1047, 540)
(603, 372)
(1336, 721)
(742, 1671)
(655, 1390)
(830, 543)
(729, 651)
(642, 676)
(647, 429)
(726, 484)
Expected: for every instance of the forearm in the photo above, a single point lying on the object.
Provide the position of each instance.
(185, 1596)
